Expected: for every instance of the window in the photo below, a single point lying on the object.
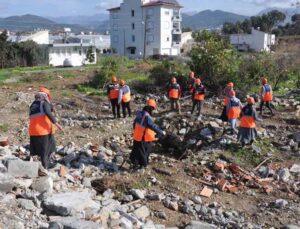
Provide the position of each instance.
(168, 38)
(167, 12)
(115, 27)
(133, 38)
(132, 13)
(150, 38)
(133, 26)
(116, 39)
(132, 51)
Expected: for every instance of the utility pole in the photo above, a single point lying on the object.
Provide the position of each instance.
(124, 40)
(145, 36)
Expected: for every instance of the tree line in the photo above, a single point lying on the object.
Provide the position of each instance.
(23, 54)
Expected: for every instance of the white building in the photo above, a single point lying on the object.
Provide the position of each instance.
(146, 27)
(257, 40)
(70, 55)
(40, 37)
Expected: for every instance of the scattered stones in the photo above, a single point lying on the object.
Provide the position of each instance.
(138, 194)
(19, 168)
(43, 184)
(142, 213)
(27, 204)
(284, 175)
(72, 222)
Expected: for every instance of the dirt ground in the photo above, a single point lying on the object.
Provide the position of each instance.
(14, 122)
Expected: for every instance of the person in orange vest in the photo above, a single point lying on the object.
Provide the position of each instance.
(229, 88)
(174, 93)
(198, 99)
(247, 131)
(191, 82)
(233, 110)
(124, 98)
(144, 134)
(113, 95)
(42, 127)
(266, 96)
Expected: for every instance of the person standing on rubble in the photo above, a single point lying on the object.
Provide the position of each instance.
(191, 82)
(113, 95)
(42, 127)
(229, 88)
(247, 131)
(124, 98)
(198, 98)
(233, 111)
(266, 96)
(144, 134)
(174, 93)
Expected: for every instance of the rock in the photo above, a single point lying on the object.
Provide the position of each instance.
(86, 182)
(142, 213)
(206, 133)
(295, 169)
(183, 131)
(3, 169)
(280, 203)
(22, 183)
(256, 149)
(6, 183)
(73, 223)
(291, 227)
(168, 203)
(69, 158)
(263, 171)
(19, 168)
(162, 215)
(5, 151)
(296, 137)
(70, 203)
(127, 198)
(138, 194)
(26, 204)
(43, 184)
(284, 175)
(200, 225)
(125, 223)
(155, 196)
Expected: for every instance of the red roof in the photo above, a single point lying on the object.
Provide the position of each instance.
(162, 2)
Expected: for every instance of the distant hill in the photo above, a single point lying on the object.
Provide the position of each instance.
(210, 19)
(30, 22)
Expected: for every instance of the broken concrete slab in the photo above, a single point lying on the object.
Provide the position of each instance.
(6, 183)
(70, 203)
(19, 168)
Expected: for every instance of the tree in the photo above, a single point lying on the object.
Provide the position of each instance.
(90, 56)
(30, 53)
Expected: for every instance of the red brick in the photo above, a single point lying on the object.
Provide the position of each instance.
(62, 171)
(206, 192)
(232, 189)
(4, 142)
(219, 166)
(221, 184)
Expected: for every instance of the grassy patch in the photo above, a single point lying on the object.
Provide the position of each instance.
(86, 89)
(246, 157)
(4, 127)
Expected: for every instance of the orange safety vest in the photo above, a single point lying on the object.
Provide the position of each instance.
(234, 111)
(199, 93)
(113, 91)
(174, 91)
(40, 124)
(267, 95)
(248, 120)
(126, 97)
(141, 132)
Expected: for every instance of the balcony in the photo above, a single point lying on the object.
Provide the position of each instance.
(176, 18)
(176, 31)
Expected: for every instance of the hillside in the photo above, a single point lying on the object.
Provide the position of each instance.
(210, 19)
(30, 22)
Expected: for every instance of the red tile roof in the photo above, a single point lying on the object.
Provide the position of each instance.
(163, 2)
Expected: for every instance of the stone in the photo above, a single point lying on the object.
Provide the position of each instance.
(26, 204)
(5, 151)
(206, 133)
(125, 223)
(3, 169)
(280, 203)
(291, 227)
(74, 223)
(197, 200)
(138, 194)
(70, 203)
(296, 137)
(295, 169)
(173, 205)
(86, 182)
(162, 215)
(284, 174)
(200, 225)
(142, 213)
(183, 131)
(22, 183)
(69, 158)
(19, 168)
(43, 184)
(256, 149)
(127, 198)
(155, 196)
(6, 183)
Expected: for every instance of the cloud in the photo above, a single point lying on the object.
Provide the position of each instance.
(270, 3)
(103, 5)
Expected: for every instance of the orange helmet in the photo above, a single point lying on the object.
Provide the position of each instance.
(198, 81)
(192, 74)
(173, 80)
(264, 80)
(251, 100)
(45, 90)
(151, 103)
(122, 82)
(232, 93)
(230, 84)
(114, 79)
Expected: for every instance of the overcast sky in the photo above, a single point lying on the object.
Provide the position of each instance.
(90, 7)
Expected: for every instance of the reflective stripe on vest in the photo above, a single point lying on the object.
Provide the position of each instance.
(174, 93)
(234, 110)
(141, 133)
(267, 96)
(40, 124)
(199, 93)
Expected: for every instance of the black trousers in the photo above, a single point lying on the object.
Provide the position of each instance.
(126, 106)
(114, 105)
(223, 116)
(140, 153)
(43, 146)
(268, 105)
(199, 104)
